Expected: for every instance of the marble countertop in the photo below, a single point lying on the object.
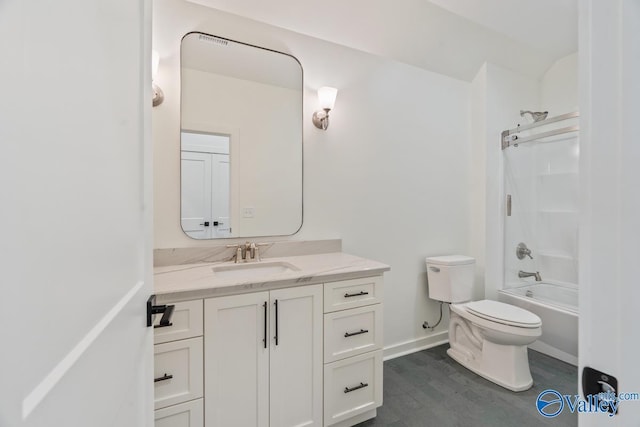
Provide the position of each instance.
(193, 281)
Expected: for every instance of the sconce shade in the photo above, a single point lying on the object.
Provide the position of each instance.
(327, 97)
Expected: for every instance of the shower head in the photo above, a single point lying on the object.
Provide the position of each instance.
(535, 115)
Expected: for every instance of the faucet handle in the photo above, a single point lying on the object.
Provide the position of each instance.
(522, 251)
(257, 249)
(251, 248)
(238, 255)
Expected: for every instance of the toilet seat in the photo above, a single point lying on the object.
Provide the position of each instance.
(506, 314)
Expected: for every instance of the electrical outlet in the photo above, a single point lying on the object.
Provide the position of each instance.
(248, 212)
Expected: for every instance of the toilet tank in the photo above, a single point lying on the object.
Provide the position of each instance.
(450, 278)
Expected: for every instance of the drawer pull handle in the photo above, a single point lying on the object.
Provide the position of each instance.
(358, 387)
(162, 378)
(276, 337)
(356, 295)
(350, 334)
(265, 324)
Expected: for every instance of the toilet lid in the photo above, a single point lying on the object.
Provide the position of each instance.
(504, 313)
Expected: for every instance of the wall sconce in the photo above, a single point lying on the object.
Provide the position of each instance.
(327, 97)
(158, 94)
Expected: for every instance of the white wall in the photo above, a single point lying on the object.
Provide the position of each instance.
(498, 96)
(559, 86)
(390, 175)
(478, 178)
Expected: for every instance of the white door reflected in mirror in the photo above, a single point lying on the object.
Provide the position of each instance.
(205, 185)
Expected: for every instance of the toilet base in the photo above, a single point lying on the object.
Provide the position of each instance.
(497, 356)
(506, 366)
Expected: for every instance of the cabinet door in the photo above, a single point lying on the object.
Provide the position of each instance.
(237, 361)
(296, 357)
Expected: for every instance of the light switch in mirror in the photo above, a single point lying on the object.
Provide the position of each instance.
(241, 139)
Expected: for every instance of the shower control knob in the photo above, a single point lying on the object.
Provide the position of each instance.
(522, 251)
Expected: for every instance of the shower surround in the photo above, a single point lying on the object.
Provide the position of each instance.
(541, 182)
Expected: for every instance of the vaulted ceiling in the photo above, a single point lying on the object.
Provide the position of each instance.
(452, 37)
(550, 26)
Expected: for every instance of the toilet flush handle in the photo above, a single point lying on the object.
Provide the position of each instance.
(434, 269)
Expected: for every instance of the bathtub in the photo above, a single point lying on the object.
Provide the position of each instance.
(557, 306)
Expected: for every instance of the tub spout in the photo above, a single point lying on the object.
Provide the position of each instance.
(523, 274)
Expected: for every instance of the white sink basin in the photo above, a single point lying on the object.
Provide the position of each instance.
(254, 270)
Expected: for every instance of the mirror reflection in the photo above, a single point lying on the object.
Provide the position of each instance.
(241, 139)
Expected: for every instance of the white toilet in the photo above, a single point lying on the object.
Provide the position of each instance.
(488, 337)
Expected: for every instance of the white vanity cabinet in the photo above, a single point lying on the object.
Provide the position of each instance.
(178, 368)
(264, 358)
(307, 355)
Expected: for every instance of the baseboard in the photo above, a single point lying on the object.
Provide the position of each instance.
(412, 346)
(541, 347)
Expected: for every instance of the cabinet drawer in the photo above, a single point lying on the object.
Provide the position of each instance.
(186, 323)
(189, 414)
(352, 293)
(352, 386)
(352, 332)
(178, 372)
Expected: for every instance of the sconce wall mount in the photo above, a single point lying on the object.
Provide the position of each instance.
(327, 97)
(158, 95)
(321, 119)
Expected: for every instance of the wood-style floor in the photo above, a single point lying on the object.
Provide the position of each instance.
(429, 388)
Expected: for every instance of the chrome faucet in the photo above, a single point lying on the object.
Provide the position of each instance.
(249, 251)
(523, 274)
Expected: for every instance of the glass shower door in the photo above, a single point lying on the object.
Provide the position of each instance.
(541, 181)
